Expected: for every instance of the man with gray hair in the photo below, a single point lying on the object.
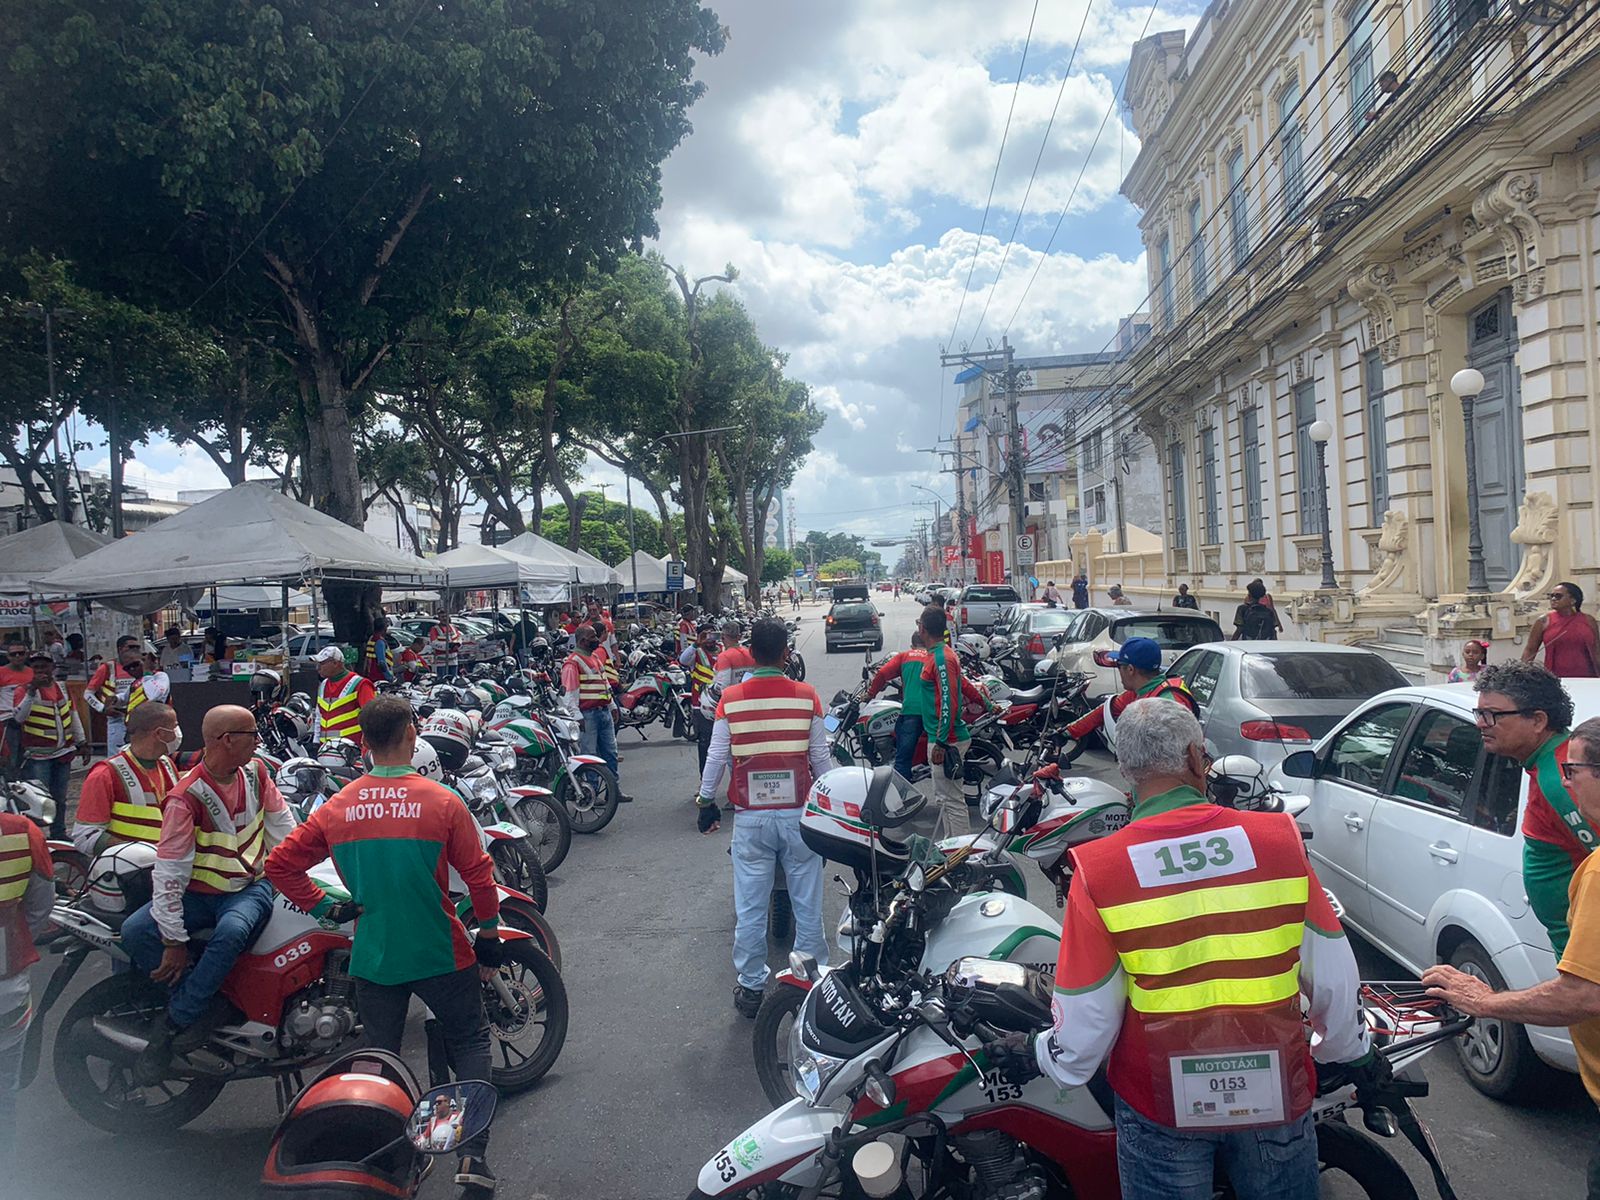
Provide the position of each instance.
(1190, 936)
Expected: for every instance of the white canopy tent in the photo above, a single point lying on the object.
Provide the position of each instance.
(37, 552)
(251, 596)
(496, 567)
(652, 574)
(587, 570)
(249, 534)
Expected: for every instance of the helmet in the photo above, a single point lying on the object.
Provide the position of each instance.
(288, 724)
(347, 1130)
(451, 733)
(850, 811)
(267, 684)
(301, 777)
(1237, 781)
(119, 879)
(995, 688)
(974, 644)
(300, 704)
(29, 799)
(339, 752)
(445, 695)
(425, 761)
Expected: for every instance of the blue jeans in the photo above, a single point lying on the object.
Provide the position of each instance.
(598, 735)
(907, 732)
(234, 921)
(761, 841)
(54, 774)
(1278, 1162)
(13, 1032)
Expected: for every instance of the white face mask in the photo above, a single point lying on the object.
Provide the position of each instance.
(173, 740)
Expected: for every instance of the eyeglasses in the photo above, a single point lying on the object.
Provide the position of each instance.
(249, 733)
(1488, 716)
(1568, 767)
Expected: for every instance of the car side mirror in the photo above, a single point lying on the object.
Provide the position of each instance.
(1302, 764)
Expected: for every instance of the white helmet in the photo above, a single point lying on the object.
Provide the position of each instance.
(852, 810)
(451, 733)
(119, 879)
(974, 643)
(1237, 781)
(425, 761)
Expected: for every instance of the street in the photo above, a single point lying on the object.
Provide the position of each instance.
(656, 1073)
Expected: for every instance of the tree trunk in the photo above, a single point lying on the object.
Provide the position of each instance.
(335, 484)
(669, 531)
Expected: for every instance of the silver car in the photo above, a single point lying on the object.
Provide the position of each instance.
(1267, 699)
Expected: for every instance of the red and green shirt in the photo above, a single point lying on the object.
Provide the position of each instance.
(393, 836)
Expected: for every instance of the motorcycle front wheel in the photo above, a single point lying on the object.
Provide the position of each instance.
(1350, 1154)
(591, 794)
(96, 1075)
(774, 1020)
(528, 1023)
(71, 869)
(520, 915)
(518, 867)
(549, 828)
(795, 668)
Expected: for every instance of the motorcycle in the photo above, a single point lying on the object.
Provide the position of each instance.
(296, 1002)
(24, 798)
(483, 782)
(547, 756)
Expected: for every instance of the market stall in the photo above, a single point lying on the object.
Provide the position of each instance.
(536, 582)
(587, 573)
(651, 573)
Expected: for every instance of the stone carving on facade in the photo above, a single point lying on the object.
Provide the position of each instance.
(1393, 573)
(1537, 519)
(1213, 562)
(1505, 209)
(1309, 555)
(1311, 23)
(1373, 287)
(1255, 560)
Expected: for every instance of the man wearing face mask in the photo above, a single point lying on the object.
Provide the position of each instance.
(586, 692)
(123, 795)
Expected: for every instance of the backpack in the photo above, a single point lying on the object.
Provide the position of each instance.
(1259, 623)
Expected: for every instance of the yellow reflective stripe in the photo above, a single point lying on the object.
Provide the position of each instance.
(1205, 902)
(784, 747)
(136, 698)
(140, 821)
(14, 889)
(16, 864)
(1215, 993)
(771, 725)
(794, 703)
(223, 883)
(1216, 947)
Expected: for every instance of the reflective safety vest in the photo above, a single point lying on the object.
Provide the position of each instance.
(136, 810)
(16, 864)
(608, 666)
(49, 723)
(341, 716)
(374, 671)
(228, 850)
(136, 696)
(769, 733)
(1206, 916)
(593, 689)
(19, 862)
(700, 674)
(116, 683)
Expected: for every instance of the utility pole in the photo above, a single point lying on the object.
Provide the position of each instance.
(1116, 492)
(1014, 472)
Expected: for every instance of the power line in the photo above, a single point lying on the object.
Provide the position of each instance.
(977, 242)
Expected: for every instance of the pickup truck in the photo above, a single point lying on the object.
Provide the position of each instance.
(980, 605)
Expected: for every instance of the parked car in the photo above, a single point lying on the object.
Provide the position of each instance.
(1098, 631)
(303, 646)
(1033, 629)
(1416, 828)
(853, 623)
(1266, 699)
(979, 604)
(824, 593)
(885, 586)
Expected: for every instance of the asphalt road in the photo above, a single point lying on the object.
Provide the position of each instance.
(656, 1074)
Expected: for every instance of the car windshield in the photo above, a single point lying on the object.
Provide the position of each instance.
(1170, 633)
(1050, 621)
(1353, 676)
(981, 595)
(853, 610)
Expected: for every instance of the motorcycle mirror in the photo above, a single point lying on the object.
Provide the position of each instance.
(451, 1115)
(916, 879)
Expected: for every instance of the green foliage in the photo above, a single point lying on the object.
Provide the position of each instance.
(825, 546)
(605, 528)
(778, 566)
(840, 568)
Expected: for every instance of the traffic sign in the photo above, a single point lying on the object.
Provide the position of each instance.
(1024, 549)
(674, 575)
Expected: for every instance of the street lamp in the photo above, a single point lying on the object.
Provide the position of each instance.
(1319, 433)
(1467, 383)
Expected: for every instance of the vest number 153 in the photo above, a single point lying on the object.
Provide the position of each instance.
(1196, 856)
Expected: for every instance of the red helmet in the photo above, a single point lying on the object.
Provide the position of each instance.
(357, 1108)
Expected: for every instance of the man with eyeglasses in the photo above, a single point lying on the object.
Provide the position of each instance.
(1572, 998)
(1524, 713)
(216, 829)
(14, 674)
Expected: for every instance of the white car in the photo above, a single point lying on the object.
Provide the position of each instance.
(1090, 640)
(1415, 827)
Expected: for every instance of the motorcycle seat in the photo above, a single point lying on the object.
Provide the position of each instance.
(1027, 695)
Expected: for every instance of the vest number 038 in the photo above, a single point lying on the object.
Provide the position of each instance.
(291, 954)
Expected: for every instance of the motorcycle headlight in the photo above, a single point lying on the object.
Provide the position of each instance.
(811, 1070)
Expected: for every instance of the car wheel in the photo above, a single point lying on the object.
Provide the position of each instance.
(1496, 1055)
(877, 645)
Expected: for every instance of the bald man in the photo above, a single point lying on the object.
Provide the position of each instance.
(216, 828)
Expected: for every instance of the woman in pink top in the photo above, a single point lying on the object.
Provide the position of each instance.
(1570, 637)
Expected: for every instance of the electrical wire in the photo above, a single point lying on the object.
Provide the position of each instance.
(977, 242)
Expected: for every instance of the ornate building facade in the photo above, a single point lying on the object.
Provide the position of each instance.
(1343, 206)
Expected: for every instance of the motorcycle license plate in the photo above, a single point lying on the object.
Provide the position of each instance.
(830, 723)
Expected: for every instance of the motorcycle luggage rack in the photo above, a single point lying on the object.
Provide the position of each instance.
(1409, 1018)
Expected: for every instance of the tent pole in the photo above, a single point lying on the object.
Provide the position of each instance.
(283, 629)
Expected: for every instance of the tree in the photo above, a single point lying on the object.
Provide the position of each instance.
(605, 529)
(840, 568)
(321, 176)
(835, 545)
(777, 567)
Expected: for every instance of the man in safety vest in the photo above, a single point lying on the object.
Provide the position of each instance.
(395, 857)
(412, 660)
(1190, 937)
(123, 795)
(1524, 713)
(153, 684)
(698, 659)
(586, 693)
(339, 699)
(770, 729)
(27, 895)
(216, 829)
(378, 663)
(735, 660)
(444, 640)
(50, 734)
(686, 632)
(1138, 664)
(109, 686)
(13, 674)
(948, 735)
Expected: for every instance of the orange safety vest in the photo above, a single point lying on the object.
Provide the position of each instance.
(115, 681)
(228, 850)
(341, 715)
(136, 810)
(136, 696)
(700, 674)
(609, 667)
(1207, 925)
(374, 671)
(593, 689)
(769, 733)
(49, 723)
(18, 865)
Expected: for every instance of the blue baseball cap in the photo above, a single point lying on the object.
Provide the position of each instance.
(1143, 654)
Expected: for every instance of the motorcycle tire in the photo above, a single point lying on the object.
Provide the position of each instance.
(71, 870)
(592, 801)
(981, 762)
(774, 1019)
(762, 1191)
(537, 992)
(1370, 1167)
(795, 668)
(549, 829)
(517, 866)
(780, 918)
(117, 1105)
(515, 914)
